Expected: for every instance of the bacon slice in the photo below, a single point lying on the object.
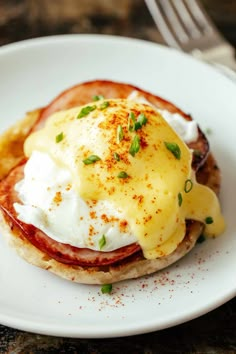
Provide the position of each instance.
(61, 252)
(83, 93)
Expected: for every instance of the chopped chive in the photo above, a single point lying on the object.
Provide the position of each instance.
(137, 126)
(104, 105)
(119, 134)
(135, 145)
(85, 111)
(201, 239)
(106, 288)
(59, 137)
(141, 120)
(174, 149)
(209, 220)
(131, 118)
(180, 199)
(122, 174)
(188, 185)
(97, 97)
(91, 159)
(116, 156)
(102, 242)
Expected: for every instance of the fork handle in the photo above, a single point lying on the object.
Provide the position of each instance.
(222, 55)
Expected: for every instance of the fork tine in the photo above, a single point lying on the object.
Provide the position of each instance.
(174, 21)
(161, 23)
(200, 17)
(186, 18)
(171, 17)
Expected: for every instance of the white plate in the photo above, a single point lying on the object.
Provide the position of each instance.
(32, 73)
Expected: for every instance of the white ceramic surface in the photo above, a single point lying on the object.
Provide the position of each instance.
(31, 74)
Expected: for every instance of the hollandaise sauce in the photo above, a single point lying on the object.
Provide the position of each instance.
(124, 153)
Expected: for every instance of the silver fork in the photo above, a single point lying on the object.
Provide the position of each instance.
(185, 25)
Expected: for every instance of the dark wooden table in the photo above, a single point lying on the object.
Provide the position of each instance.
(21, 19)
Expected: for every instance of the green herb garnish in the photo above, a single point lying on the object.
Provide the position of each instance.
(102, 242)
(97, 97)
(59, 137)
(91, 159)
(180, 199)
(137, 124)
(119, 134)
(122, 174)
(131, 118)
(85, 111)
(104, 105)
(188, 185)
(209, 220)
(116, 156)
(201, 239)
(106, 288)
(174, 149)
(135, 145)
(141, 120)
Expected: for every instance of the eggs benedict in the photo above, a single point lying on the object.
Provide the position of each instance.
(113, 183)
